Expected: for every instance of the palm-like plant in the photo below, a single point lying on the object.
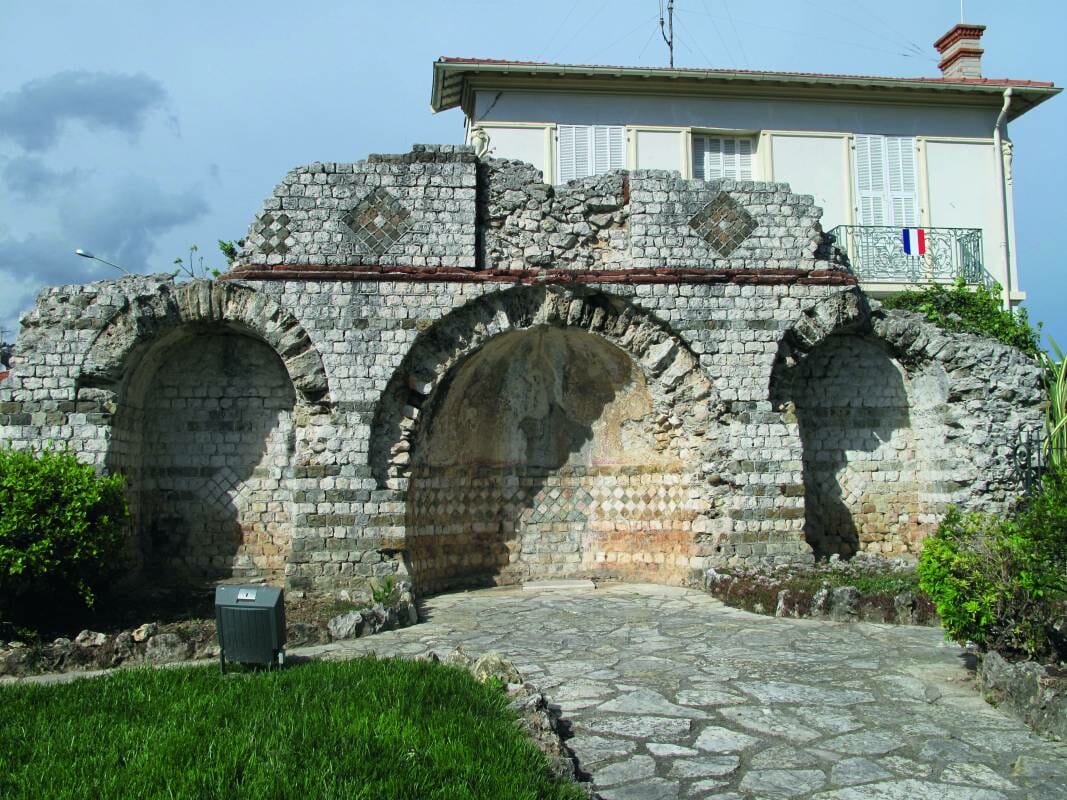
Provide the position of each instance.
(1056, 416)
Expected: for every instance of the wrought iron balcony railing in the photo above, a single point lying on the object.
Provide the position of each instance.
(879, 254)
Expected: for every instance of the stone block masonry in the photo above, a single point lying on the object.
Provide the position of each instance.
(442, 366)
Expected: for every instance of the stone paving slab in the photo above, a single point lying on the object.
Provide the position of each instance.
(671, 694)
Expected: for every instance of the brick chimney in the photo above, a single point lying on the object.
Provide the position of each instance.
(961, 56)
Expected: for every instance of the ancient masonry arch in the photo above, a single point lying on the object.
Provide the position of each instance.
(132, 331)
(883, 403)
(481, 508)
(206, 380)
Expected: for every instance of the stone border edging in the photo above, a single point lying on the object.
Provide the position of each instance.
(1029, 691)
(95, 653)
(537, 716)
(838, 603)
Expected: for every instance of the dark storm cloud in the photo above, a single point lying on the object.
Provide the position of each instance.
(32, 179)
(120, 226)
(48, 258)
(123, 225)
(34, 114)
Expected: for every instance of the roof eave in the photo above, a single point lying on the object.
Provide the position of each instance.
(451, 77)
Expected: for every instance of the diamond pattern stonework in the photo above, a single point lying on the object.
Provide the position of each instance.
(275, 232)
(723, 223)
(378, 221)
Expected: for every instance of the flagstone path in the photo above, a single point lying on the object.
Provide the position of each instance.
(671, 694)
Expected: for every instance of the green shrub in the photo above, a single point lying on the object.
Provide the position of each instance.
(960, 308)
(61, 528)
(1002, 582)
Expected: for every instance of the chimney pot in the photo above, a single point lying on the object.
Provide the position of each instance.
(961, 55)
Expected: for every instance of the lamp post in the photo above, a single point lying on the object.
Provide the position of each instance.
(87, 254)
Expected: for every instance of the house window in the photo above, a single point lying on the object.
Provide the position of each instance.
(717, 157)
(585, 150)
(886, 181)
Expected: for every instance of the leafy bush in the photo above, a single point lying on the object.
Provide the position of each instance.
(61, 528)
(1002, 582)
(960, 308)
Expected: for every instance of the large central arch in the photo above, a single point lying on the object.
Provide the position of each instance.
(541, 432)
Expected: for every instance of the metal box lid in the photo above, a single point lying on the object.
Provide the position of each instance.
(248, 596)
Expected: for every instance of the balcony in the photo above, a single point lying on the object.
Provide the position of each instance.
(877, 254)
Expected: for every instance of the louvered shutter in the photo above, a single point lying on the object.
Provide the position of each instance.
(901, 181)
(729, 158)
(616, 148)
(870, 179)
(565, 153)
(717, 157)
(744, 159)
(584, 150)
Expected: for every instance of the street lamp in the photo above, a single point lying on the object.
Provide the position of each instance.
(87, 254)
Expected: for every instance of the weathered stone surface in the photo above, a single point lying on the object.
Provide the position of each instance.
(723, 740)
(782, 782)
(167, 647)
(626, 771)
(346, 626)
(652, 789)
(645, 701)
(644, 727)
(716, 766)
(909, 790)
(1034, 693)
(90, 639)
(494, 666)
(143, 632)
(857, 770)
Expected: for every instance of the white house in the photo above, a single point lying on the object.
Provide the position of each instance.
(913, 174)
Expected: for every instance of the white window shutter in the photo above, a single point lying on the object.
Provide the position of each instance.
(717, 157)
(616, 147)
(565, 136)
(729, 158)
(700, 149)
(870, 179)
(902, 181)
(585, 150)
(744, 159)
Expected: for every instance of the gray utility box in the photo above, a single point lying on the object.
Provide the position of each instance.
(250, 622)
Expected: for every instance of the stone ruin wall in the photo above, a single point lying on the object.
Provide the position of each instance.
(435, 364)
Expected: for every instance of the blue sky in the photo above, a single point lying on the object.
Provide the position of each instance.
(136, 129)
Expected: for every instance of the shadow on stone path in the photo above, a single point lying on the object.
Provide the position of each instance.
(670, 693)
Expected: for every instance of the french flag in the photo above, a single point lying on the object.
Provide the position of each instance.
(914, 241)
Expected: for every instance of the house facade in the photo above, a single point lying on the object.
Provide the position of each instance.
(881, 156)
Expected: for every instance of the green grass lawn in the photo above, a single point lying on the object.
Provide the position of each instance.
(355, 729)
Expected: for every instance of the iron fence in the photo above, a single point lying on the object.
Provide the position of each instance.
(1032, 456)
(876, 253)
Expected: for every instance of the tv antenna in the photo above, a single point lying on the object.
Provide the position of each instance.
(667, 30)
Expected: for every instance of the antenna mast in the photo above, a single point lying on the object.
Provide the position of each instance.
(668, 30)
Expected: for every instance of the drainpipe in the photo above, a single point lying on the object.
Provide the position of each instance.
(1002, 190)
